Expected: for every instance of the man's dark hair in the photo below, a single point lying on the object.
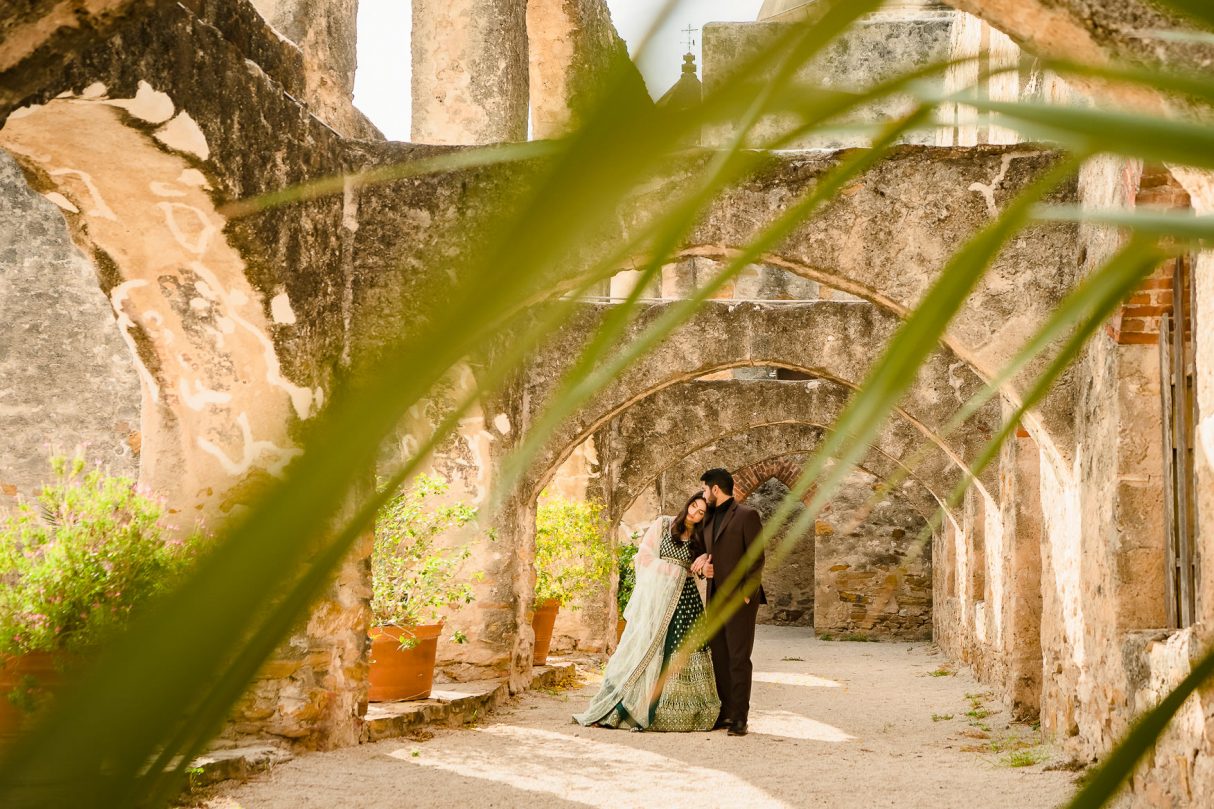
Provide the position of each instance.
(719, 477)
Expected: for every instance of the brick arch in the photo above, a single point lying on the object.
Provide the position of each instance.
(751, 477)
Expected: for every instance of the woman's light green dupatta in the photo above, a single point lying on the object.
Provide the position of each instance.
(632, 673)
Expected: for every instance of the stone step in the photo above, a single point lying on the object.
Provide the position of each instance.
(450, 705)
(237, 763)
(453, 704)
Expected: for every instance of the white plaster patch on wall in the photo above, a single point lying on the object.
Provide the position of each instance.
(61, 201)
(193, 236)
(194, 178)
(22, 112)
(183, 134)
(1205, 435)
(99, 208)
(164, 189)
(118, 298)
(479, 442)
(502, 422)
(988, 191)
(280, 309)
(148, 104)
(301, 398)
(276, 457)
(200, 396)
(94, 91)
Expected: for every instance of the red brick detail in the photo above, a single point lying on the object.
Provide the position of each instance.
(749, 478)
(1137, 322)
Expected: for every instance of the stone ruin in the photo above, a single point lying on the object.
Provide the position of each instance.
(191, 349)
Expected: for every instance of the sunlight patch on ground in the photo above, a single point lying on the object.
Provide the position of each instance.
(794, 726)
(588, 771)
(793, 678)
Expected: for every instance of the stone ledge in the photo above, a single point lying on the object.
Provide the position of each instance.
(238, 763)
(450, 705)
(454, 704)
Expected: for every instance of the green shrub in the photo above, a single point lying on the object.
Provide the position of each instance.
(572, 557)
(626, 567)
(78, 561)
(413, 578)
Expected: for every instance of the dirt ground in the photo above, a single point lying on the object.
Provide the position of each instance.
(833, 724)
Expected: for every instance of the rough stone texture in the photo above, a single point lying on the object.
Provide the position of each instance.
(326, 33)
(236, 327)
(788, 583)
(576, 57)
(69, 380)
(874, 50)
(469, 71)
(874, 566)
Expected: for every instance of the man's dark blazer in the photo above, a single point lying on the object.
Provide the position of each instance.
(727, 533)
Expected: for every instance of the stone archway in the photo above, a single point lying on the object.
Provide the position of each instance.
(723, 336)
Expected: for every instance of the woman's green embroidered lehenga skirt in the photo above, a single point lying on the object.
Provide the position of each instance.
(688, 700)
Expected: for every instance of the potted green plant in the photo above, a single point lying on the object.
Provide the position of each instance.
(572, 560)
(75, 564)
(414, 580)
(626, 568)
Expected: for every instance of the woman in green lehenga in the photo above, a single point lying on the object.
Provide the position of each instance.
(664, 606)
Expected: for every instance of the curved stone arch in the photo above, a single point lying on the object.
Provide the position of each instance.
(765, 442)
(759, 335)
(890, 233)
(684, 418)
(1050, 422)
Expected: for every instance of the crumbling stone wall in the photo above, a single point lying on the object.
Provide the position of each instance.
(69, 379)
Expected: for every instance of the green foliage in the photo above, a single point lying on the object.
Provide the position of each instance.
(626, 567)
(572, 555)
(79, 561)
(941, 717)
(414, 578)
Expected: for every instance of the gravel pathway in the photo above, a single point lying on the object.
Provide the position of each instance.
(833, 724)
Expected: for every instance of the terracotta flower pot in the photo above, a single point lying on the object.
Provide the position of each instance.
(25, 681)
(398, 673)
(619, 629)
(542, 623)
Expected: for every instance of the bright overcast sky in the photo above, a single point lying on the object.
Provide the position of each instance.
(381, 86)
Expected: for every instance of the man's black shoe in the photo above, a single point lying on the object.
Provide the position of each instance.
(737, 730)
(723, 723)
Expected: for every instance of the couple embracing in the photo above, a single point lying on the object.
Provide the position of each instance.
(707, 539)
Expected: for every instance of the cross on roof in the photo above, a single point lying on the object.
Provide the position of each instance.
(691, 43)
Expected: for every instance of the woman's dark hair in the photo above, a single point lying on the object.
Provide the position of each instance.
(679, 526)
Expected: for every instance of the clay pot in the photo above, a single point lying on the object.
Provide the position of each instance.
(542, 623)
(24, 679)
(619, 629)
(398, 673)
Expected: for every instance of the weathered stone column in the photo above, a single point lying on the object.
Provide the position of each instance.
(469, 71)
(574, 53)
(326, 33)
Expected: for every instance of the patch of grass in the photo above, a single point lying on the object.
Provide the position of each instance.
(941, 717)
(978, 713)
(826, 636)
(1025, 758)
(943, 671)
(792, 659)
(857, 637)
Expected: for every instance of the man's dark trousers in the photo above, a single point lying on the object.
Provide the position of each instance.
(731, 648)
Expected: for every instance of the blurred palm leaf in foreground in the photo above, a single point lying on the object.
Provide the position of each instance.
(125, 733)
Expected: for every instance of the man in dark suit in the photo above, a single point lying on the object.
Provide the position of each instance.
(730, 529)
